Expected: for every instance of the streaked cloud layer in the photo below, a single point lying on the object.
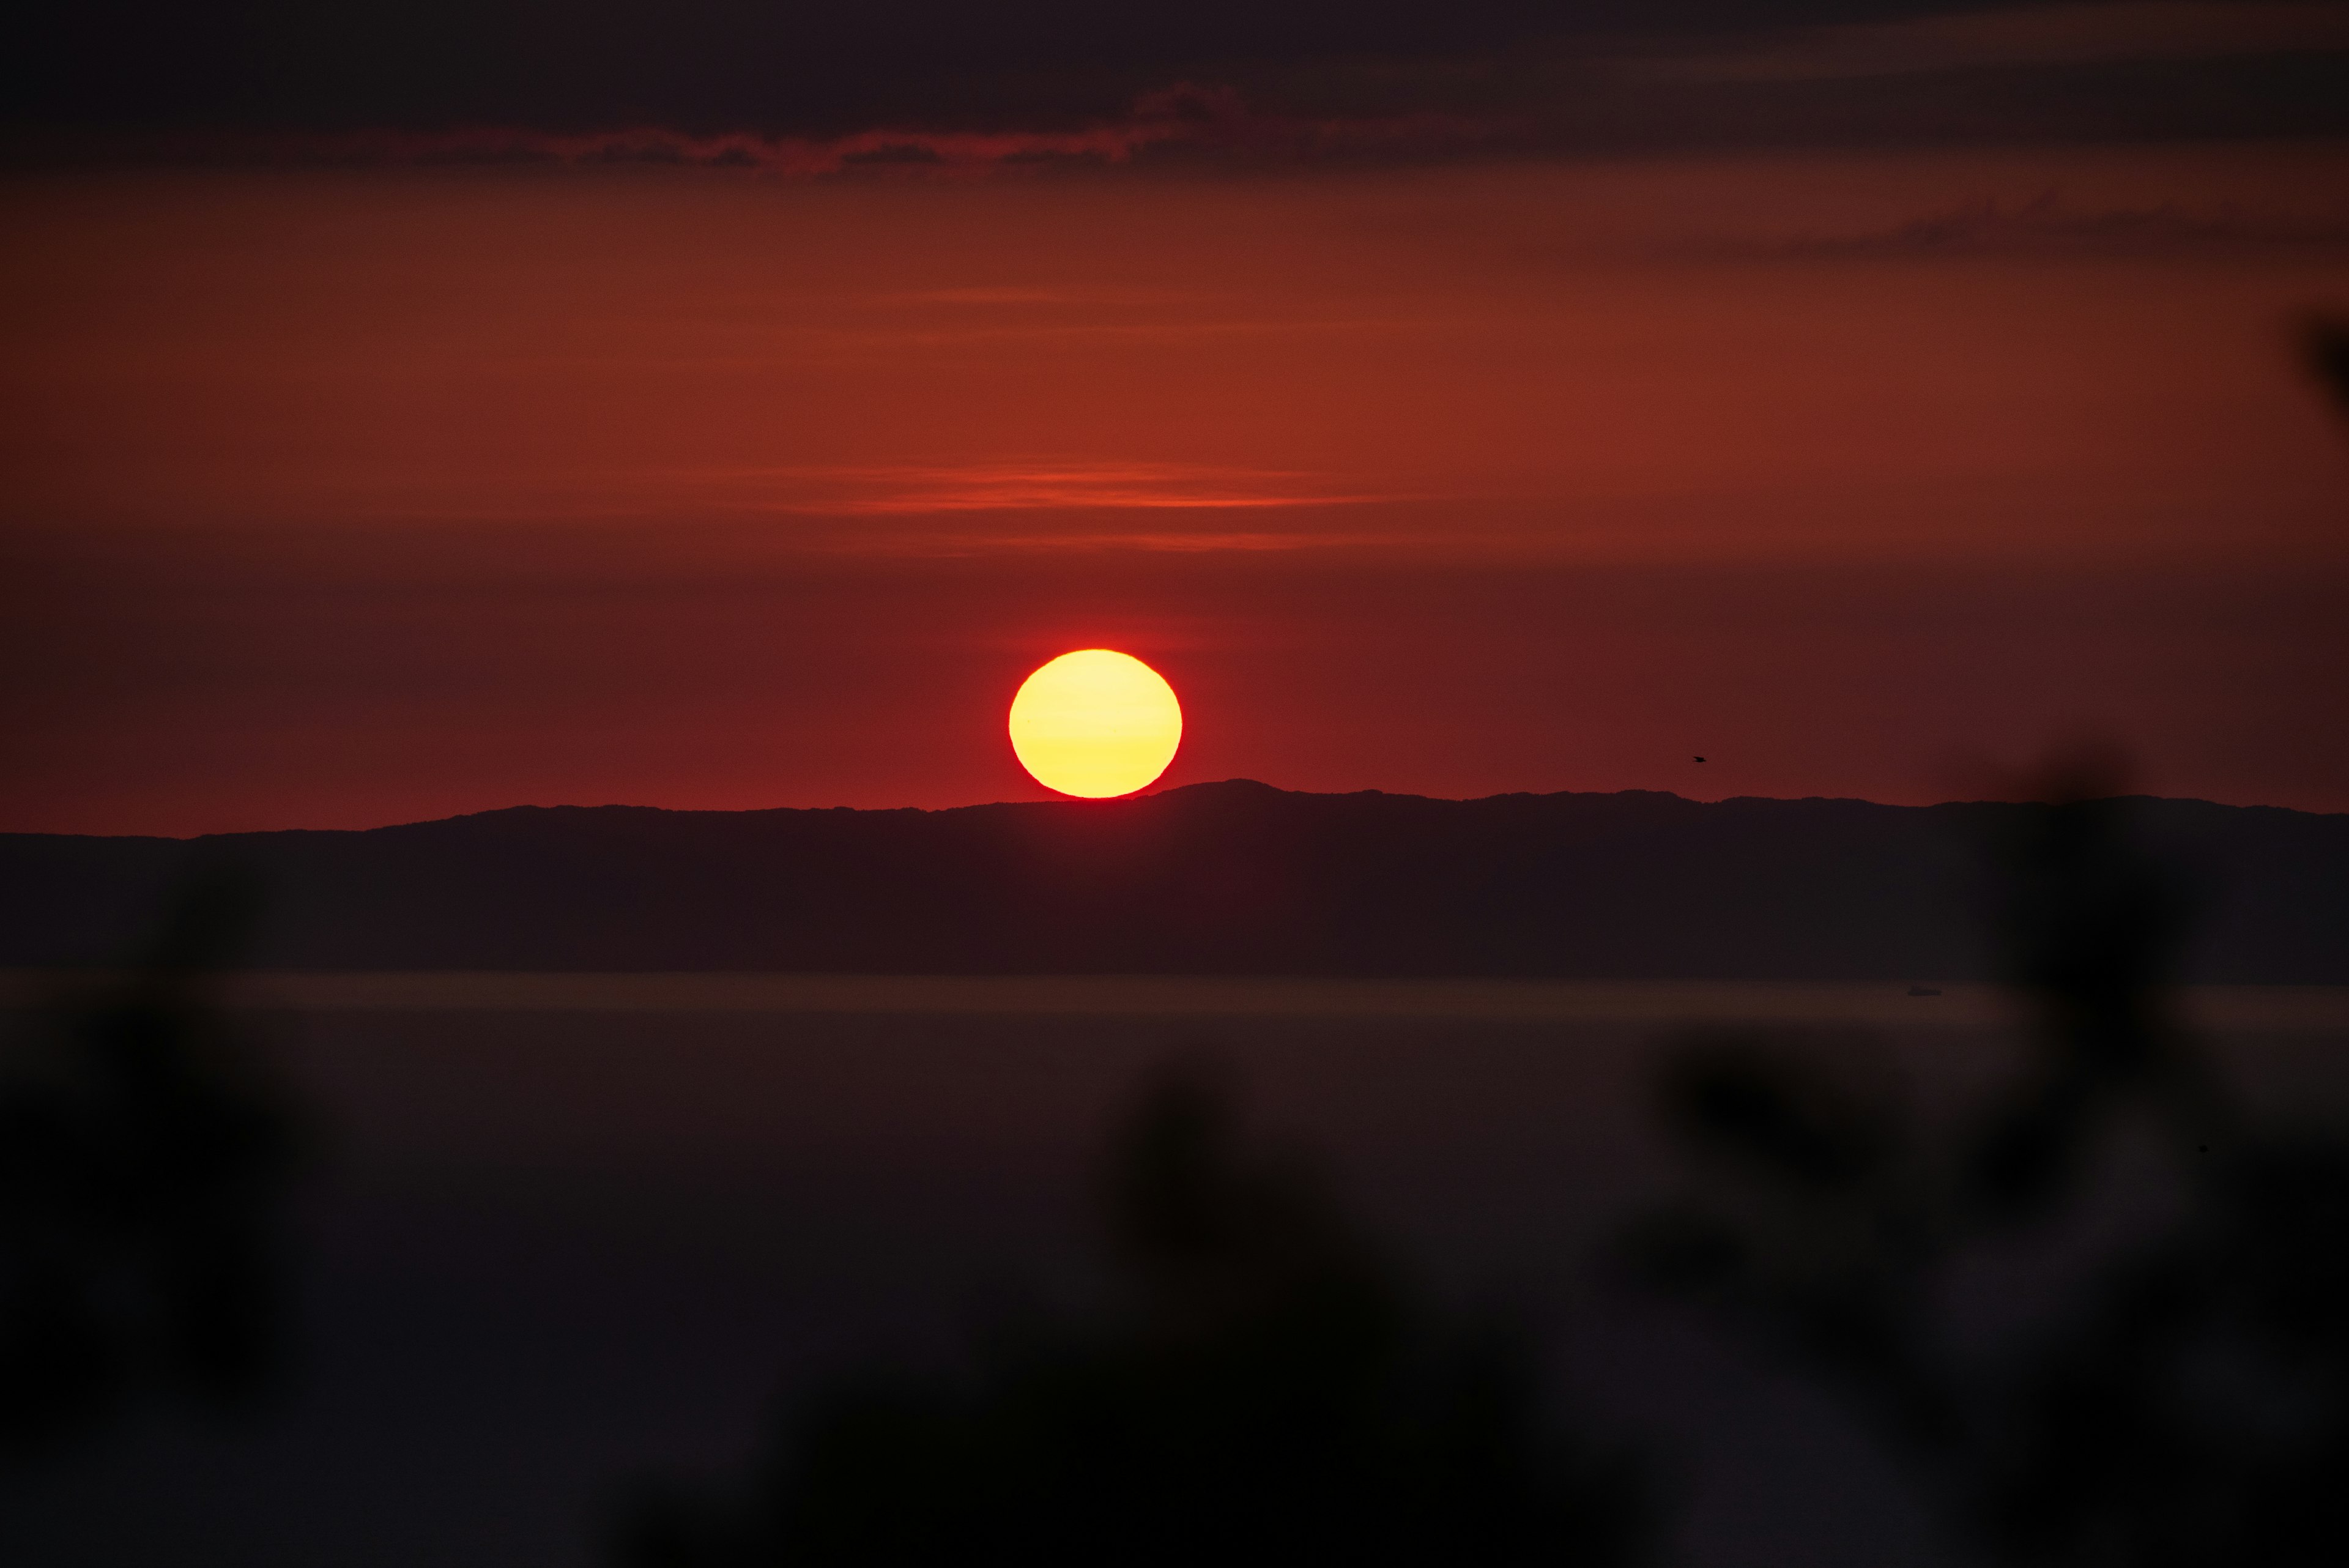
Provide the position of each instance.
(1014, 486)
(1933, 357)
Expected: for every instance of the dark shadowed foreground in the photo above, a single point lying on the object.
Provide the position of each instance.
(804, 1278)
(143, 1161)
(1262, 1389)
(2177, 1394)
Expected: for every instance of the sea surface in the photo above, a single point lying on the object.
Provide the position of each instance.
(565, 1234)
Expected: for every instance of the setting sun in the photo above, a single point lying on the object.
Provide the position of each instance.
(1095, 723)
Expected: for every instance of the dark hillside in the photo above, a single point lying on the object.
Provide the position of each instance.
(1234, 878)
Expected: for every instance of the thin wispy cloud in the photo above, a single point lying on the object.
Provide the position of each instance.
(1012, 299)
(1032, 487)
(2072, 34)
(935, 545)
(2049, 224)
(1186, 115)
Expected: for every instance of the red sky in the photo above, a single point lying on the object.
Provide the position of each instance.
(338, 497)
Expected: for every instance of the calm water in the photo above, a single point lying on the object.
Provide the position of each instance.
(571, 1231)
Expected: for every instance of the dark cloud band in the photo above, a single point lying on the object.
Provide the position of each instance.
(803, 89)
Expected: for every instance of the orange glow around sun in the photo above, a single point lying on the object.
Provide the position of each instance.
(1095, 723)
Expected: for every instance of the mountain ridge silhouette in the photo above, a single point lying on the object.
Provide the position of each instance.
(1234, 878)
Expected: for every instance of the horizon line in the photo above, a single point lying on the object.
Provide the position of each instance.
(1113, 802)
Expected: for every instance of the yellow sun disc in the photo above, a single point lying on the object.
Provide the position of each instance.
(1095, 723)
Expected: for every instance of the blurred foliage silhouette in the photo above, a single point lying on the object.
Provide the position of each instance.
(2325, 340)
(142, 1157)
(2177, 1396)
(1264, 1390)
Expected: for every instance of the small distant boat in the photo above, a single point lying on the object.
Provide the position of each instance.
(1924, 990)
